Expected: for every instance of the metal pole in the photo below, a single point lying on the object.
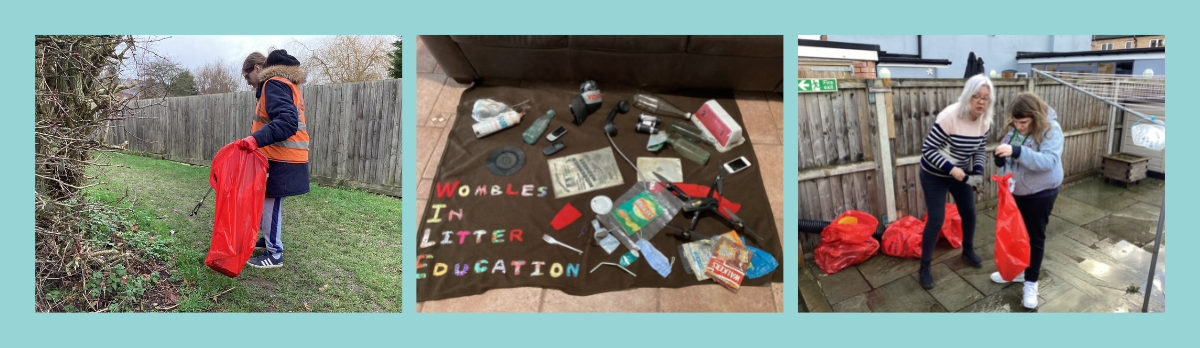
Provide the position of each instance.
(1106, 101)
(1162, 216)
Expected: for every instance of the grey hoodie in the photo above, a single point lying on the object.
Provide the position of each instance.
(1035, 168)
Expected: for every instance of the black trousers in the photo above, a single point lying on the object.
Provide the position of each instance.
(935, 188)
(1036, 213)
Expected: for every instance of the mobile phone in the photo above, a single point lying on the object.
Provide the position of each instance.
(558, 145)
(557, 133)
(737, 165)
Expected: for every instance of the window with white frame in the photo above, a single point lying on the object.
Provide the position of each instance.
(1128, 44)
(1105, 47)
(1157, 42)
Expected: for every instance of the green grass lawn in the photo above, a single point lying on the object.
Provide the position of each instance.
(342, 246)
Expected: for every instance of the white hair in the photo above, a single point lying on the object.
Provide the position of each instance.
(972, 86)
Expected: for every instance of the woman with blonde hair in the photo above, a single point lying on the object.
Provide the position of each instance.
(952, 152)
(1032, 151)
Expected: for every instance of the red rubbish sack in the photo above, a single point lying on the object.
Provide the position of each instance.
(847, 242)
(1012, 240)
(239, 178)
(951, 227)
(852, 226)
(903, 238)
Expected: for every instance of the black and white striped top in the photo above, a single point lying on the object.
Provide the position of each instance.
(954, 142)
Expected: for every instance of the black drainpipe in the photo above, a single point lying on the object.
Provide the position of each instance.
(919, 46)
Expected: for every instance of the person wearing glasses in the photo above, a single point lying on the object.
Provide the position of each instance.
(279, 132)
(1032, 151)
(954, 150)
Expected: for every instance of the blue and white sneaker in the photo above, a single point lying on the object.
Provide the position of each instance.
(265, 261)
(261, 244)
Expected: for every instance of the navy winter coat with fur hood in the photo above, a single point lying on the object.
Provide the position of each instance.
(283, 179)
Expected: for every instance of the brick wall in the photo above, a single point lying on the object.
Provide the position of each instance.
(864, 69)
(1141, 41)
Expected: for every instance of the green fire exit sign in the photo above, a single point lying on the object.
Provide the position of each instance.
(817, 85)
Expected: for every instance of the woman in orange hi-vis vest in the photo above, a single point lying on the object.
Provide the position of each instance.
(280, 133)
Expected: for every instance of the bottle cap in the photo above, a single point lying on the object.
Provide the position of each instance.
(601, 205)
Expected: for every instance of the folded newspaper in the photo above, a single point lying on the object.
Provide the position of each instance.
(584, 172)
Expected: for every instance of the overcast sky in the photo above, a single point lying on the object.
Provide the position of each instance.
(193, 51)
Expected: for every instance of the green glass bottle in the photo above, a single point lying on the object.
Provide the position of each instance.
(688, 131)
(538, 127)
(689, 150)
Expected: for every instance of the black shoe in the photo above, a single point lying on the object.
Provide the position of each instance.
(261, 244)
(926, 277)
(969, 258)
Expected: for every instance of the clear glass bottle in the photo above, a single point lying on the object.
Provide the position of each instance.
(656, 105)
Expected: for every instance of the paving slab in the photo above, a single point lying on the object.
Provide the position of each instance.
(1092, 191)
(985, 229)
(1114, 203)
(1149, 184)
(1139, 259)
(1072, 301)
(1058, 226)
(1051, 287)
(855, 304)
(841, 285)
(777, 295)
(882, 269)
(980, 278)
(1136, 224)
(902, 295)
(811, 295)
(496, 300)
(950, 290)
(1154, 198)
(1076, 212)
(633, 300)
(715, 298)
(1007, 300)
(1089, 270)
(1084, 236)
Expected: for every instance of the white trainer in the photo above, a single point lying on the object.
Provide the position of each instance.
(997, 278)
(1031, 295)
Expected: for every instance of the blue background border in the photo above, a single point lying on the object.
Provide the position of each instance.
(20, 325)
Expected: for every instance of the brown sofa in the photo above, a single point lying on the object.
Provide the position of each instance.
(663, 61)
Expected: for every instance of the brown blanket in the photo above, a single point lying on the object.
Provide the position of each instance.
(496, 229)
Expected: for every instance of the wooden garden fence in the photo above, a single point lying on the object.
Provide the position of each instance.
(860, 146)
(355, 130)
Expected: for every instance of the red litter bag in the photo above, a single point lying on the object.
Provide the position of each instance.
(1012, 240)
(239, 178)
(852, 226)
(903, 238)
(847, 242)
(951, 227)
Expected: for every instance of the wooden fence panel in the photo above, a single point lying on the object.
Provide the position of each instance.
(355, 130)
(839, 168)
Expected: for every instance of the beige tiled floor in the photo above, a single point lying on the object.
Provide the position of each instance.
(437, 102)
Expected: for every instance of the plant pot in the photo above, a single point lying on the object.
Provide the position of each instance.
(1125, 168)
